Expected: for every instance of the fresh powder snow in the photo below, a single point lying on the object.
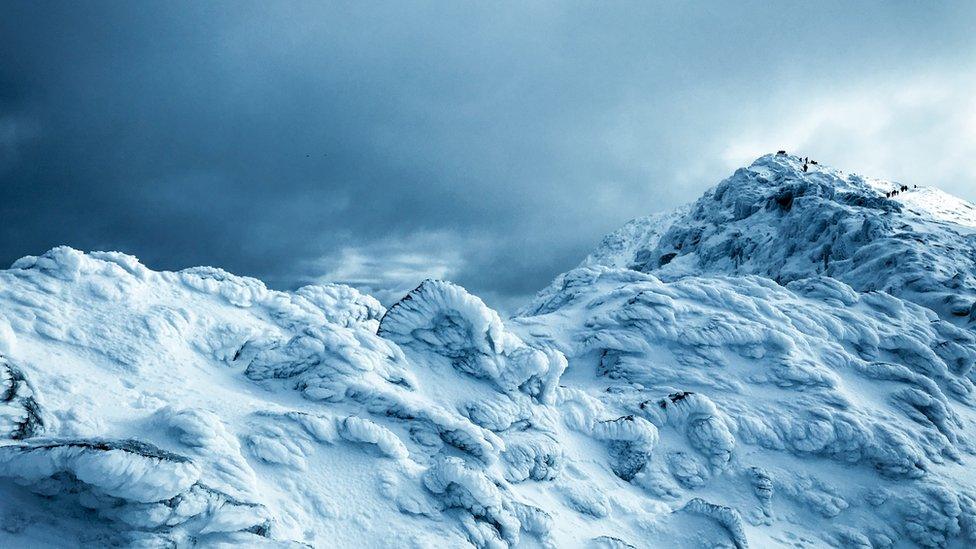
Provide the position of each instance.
(785, 362)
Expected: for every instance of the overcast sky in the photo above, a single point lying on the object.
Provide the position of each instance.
(492, 144)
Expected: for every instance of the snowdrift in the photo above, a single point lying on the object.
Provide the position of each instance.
(787, 362)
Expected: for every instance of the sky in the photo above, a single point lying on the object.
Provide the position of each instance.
(488, 143)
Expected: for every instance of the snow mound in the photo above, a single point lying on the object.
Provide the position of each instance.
(152, 494)
(199, 405)
(444, 319)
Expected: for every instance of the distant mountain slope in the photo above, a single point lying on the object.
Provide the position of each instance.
(619, 248)
(775, 220)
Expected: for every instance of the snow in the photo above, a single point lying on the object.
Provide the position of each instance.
(932, 204)
(774, 220)
(786, 362)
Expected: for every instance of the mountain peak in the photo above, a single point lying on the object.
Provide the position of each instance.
(777, 168)
(776, 219)
(919, 201)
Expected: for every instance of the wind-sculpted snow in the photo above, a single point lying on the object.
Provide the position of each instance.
(794, 368)
(775, 220)
(20, 413)
(727, 517)
(151, 495)
(810, 396)
(199, 407)
(445, 320)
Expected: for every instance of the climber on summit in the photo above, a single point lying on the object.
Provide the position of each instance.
(804, 166)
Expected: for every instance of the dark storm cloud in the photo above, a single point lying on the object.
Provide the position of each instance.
(493, 144)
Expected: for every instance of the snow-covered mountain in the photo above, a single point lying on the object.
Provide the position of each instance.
(786, 362)
(774, 220)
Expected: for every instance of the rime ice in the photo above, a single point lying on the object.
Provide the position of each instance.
(787, 361)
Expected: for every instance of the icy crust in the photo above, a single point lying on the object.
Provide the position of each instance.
(857, 407)
(619, 409)
(775, 220)
(198, 407)
(444, 319)
(137, 486)
(344, 305)
(20, 413)
(201, 408)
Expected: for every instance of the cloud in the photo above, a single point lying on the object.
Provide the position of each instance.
(920, 131)
(307, 141)
(15, 133)
(391, 267)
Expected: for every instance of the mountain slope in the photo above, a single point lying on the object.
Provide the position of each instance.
(817, 413)
(775, 220)
(743, 393)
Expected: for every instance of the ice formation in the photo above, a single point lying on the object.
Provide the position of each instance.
(786, 362)
(774, 220)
